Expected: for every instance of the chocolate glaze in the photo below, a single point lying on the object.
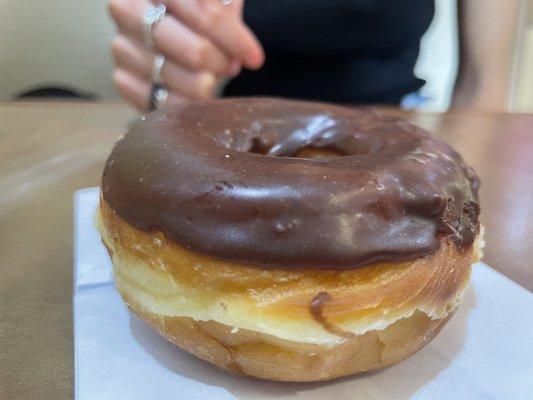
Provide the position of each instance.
(315, 309)
(220, 178)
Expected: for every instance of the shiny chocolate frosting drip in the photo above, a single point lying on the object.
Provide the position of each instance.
(223, 178)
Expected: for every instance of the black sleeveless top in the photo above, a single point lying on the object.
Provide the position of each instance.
(347, 51)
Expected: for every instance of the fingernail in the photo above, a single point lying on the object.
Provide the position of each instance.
(254, 59)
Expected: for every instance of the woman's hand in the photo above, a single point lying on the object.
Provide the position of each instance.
(203, 41)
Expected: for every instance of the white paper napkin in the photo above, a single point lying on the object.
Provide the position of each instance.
(484, 352)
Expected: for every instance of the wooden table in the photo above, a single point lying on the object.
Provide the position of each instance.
(51, 149)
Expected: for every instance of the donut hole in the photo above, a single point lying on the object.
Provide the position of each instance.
(263, 147)
(326, 146)
(317, 152)
(319, 136)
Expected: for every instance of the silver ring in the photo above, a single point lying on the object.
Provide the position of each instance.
(158, 97)
(152, 16)
(159, 61)
(226, 2)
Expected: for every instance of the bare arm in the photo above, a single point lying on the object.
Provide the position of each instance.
(487, 31)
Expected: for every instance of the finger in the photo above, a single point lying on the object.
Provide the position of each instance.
(172, 38)
(136, 91)
(223, 24)
(132, 57)
(126, 52)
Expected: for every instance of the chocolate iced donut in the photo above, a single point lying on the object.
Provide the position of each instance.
(224, 179)
(289, 240)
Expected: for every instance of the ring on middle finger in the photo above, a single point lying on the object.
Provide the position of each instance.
(151, 16)
(159, 61)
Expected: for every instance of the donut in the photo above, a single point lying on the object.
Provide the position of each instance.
(289, 240)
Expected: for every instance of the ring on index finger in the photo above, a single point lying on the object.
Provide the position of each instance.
(150, 18)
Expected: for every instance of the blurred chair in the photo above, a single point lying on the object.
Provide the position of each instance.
(58, 44)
